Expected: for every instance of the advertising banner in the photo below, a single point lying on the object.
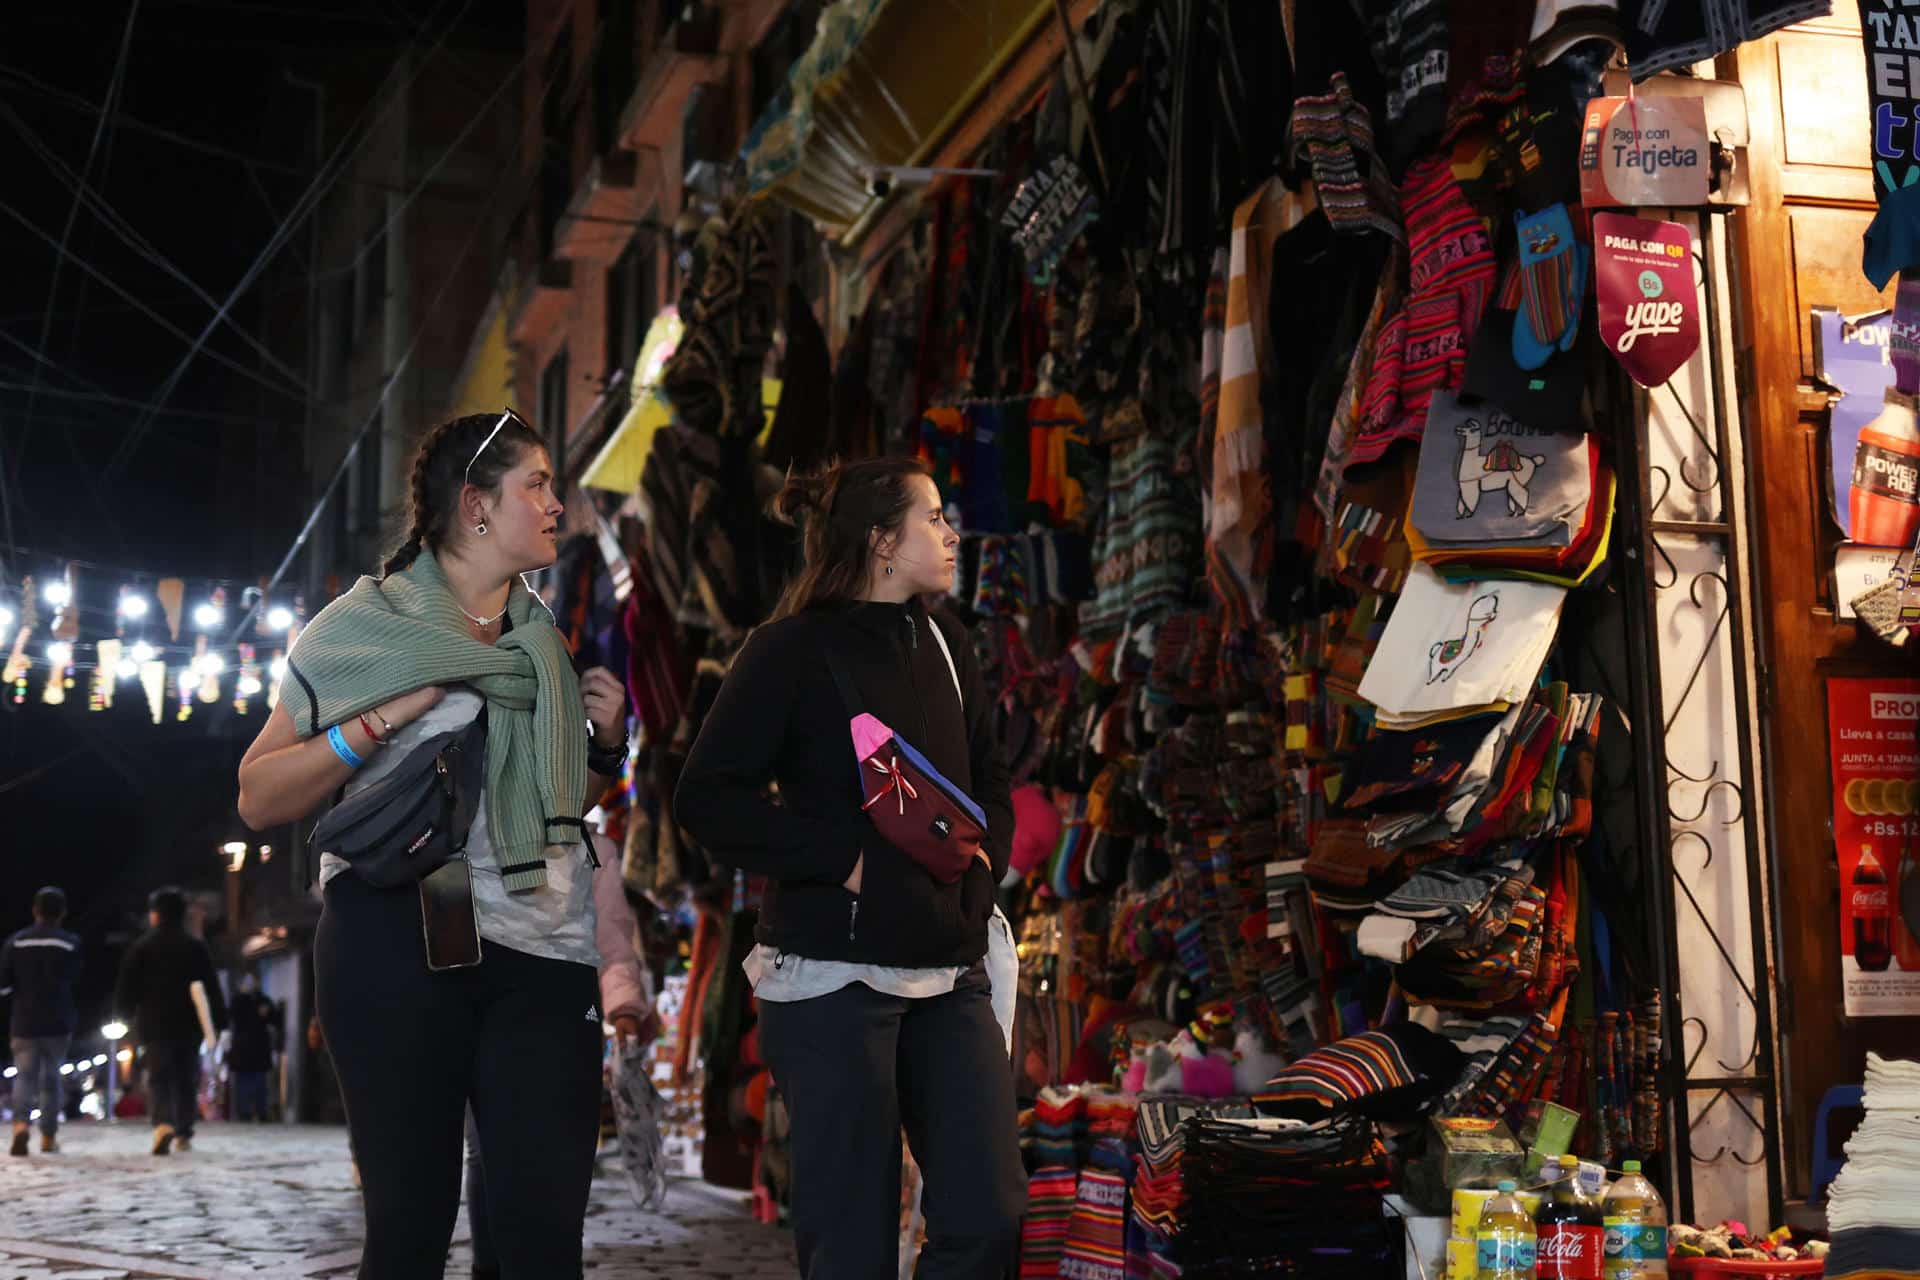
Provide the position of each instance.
(1644, 153)
(1649, 312)
(1853, 357)
(1875, 755)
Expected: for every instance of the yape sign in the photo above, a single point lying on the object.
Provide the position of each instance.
(1890, 32)
(1649, 312)
(1644, 153)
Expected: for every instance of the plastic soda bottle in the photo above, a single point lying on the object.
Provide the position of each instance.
(1570, 1227)
(1505, 1242)
(1636, 1228)
(1883, 504)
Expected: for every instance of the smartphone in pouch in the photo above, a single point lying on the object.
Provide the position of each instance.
(447, 917)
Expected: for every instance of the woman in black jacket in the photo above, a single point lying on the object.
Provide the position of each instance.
(875, 1005)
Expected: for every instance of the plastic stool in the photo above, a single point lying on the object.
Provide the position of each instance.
(1827, 1163)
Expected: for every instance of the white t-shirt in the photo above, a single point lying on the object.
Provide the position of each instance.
(555, 921)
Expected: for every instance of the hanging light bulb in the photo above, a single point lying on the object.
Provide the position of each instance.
(209, 664)
(60, 653)
(142, 652)
(279, 668)
(133, 607)
(126, 669)
(279, 618)
(248, 686)
(57, 593)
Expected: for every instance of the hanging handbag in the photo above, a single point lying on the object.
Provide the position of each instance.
(400, 828)
(909, 801)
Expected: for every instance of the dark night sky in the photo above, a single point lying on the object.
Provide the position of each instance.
(108, 804)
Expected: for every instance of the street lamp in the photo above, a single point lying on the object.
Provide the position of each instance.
(114, 1032)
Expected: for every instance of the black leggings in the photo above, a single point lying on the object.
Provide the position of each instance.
(518, 1036)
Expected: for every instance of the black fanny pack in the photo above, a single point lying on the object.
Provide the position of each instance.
(415, 818)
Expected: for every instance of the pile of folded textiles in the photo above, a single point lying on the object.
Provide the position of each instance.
(1222, 1190)
(1873, 1210)
(1272, 1196)
(1494, 497)
(1159, 1201)
(1081, 1140)
(1055, 1131)
(1068, 1124)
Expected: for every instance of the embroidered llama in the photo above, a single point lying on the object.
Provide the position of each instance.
(1504, 467)
(1448, 656)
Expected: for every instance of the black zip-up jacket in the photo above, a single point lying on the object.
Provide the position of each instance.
(39, 967)
(155, 975)
(780, 718)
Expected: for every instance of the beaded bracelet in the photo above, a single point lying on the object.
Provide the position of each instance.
(338, 741)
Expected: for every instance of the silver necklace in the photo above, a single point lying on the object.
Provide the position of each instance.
(485, 622)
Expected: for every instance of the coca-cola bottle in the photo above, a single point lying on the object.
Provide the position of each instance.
(1571, 1228)
(1871, 905)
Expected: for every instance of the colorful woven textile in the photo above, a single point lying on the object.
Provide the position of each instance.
(1050, 1198)
(1097, 1232)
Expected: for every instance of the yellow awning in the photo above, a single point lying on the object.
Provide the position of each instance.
(616, 468)
(882, 85)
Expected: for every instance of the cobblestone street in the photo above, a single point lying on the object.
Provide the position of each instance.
(275, 1201)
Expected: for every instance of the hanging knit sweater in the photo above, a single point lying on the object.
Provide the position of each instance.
(389, 636)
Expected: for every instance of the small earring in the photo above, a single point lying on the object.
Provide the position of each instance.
(481, 529)
(889, 571)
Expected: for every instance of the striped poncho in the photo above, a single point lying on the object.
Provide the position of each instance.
(389, 636)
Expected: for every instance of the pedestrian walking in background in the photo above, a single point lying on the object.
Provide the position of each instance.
(39, 968)
(250, 1054)
(155, 998)
(624, 1001)
(505, 1012)
(875, 1004)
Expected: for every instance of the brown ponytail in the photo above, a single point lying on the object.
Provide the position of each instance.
(837, 508)
(440, 472)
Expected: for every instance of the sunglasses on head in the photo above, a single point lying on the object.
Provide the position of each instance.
(466, 477)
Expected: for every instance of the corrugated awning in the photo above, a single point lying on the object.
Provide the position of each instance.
(881, 86)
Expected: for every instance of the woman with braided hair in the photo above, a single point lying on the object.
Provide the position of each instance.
(447, 634)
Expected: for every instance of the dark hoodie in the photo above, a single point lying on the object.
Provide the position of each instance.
(779, 718)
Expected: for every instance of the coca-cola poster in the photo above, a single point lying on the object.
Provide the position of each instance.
(1875, 753)
(1649, 312)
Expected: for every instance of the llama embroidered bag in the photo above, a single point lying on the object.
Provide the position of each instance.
(1487, 479)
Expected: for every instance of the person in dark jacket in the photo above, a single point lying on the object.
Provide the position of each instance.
(875, 1006)
(39, 967)
(250, 1055)
(155, 996)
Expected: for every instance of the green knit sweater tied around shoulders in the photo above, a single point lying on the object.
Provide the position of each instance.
(389, 636)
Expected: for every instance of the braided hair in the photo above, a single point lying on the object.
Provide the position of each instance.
(440, 472)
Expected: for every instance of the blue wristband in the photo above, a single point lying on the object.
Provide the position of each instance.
(338, 741)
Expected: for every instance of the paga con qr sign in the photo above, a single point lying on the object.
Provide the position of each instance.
(1649, 311)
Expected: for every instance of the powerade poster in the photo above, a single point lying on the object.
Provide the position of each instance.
(1871, 738)
(1853, 357)
(1643, 277)
(1890, 33)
